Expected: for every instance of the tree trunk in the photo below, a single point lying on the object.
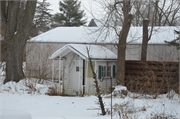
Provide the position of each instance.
(14, 59)
(16, 35)
(156, 12)
(145, 40)
(120, 74)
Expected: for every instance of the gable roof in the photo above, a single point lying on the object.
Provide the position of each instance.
(95, 23)
(82, 35)
(95, 51)
(92, 23)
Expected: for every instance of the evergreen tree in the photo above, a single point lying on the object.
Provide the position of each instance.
(174, 42)
(42, 16)
(70, 13)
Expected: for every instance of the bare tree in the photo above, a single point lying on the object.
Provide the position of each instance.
(166, 12)
(119, 17)
(39, 65)
(16, 31)
(122, 42)
(96, 85)
(117, 14)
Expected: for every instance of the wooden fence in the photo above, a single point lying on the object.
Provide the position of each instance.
(151, 77)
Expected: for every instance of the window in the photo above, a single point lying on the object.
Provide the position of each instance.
(104, 71)
(99, 72)
(114, 71)
(77, 68)
(108, 71)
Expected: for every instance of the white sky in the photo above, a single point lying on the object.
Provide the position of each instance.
(85, 5)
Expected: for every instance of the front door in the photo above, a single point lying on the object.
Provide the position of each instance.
(78, 76)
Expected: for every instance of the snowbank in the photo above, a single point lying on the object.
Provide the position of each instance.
(25, 86)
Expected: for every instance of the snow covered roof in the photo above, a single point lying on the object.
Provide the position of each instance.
(63, 34)
(95, 52)
(83, 35)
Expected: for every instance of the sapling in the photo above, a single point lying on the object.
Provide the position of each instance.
(96, 85)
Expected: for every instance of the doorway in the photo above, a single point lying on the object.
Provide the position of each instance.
(83, 81)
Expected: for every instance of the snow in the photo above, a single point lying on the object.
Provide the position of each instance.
(2, 68)
(120, 88)
(86, 35)
(63, 34)
(40, 106)
(15, 114)
(95, 52)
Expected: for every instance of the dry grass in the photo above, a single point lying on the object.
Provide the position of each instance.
(125, 110)
(54, 91)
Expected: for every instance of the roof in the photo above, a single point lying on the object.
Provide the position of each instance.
(95, 23)
(92, 23)
(95, 51)
(84, 35)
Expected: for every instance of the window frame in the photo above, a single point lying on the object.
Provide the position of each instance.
(103, 70)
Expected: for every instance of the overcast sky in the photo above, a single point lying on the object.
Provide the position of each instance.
(86, 5)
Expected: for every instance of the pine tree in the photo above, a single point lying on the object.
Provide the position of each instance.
(70, 13)
(42, 16)
(174, 42)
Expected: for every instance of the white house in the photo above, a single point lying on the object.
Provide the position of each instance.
(75, 70)
(39, 48)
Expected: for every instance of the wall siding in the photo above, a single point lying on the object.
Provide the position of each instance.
(104, 86)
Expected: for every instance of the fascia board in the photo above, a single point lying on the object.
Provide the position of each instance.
(77, 52)
(57, 54)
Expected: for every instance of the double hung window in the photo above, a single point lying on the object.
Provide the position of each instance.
(106, 71)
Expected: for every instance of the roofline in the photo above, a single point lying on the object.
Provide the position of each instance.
(103, 59)
(94, 59)
(99, 43)
(72, 49)
(74, 43)
(77, 52)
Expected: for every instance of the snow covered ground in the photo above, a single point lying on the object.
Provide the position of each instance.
(21, 99)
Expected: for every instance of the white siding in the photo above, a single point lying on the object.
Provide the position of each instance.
(162, 53)
(104, 86)
(155, 52)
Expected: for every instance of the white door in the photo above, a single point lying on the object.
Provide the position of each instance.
(77, 76)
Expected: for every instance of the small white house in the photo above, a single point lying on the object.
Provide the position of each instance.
(75, 70)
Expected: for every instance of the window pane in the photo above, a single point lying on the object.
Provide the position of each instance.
(114, 71)
(108, 70)
(103, 71)
(100, 68)
(77, 68)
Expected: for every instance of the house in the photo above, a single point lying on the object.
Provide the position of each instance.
(75, 70)
(39, 48)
